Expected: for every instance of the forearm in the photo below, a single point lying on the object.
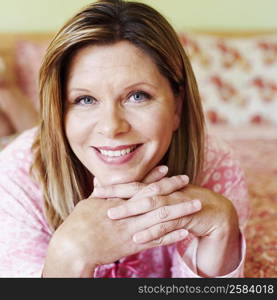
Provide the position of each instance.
(64, 259)
(65, 269)
(219, 253)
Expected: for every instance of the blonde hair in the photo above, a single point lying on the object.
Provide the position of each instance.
(64, 179)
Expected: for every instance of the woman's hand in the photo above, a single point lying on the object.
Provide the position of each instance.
(216, 224)
(88, 237)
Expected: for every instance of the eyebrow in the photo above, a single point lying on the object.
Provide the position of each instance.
(126, 88)
(79, 90)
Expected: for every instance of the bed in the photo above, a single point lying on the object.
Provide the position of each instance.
(256, 148)
(237, 79)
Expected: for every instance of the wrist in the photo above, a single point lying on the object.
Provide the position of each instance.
(224, 240)
(226, 244)
(75, 269)
(63, 260)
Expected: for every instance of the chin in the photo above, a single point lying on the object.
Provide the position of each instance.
(112, 179)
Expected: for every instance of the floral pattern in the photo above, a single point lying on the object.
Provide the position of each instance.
(256, 148)
(237, 77)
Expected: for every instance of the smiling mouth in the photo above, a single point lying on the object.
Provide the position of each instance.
(107, 152)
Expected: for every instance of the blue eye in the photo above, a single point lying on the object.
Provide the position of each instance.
(139, 96)
(85, 100)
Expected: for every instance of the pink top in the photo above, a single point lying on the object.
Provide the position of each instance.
(25, 234)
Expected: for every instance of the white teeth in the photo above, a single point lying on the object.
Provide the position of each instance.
(117, 153)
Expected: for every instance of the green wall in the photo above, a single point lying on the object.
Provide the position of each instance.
(49, 15)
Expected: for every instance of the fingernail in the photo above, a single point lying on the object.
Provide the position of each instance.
(196, 203)
(99, 191)
(163, 169)
(112, 213)
(138, 238)
(185, 178)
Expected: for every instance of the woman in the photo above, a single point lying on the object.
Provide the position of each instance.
(121, 134)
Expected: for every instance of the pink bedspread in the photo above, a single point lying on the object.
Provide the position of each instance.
(256, 147)
(257, 150)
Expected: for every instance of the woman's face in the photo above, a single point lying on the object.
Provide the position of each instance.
(120, 112)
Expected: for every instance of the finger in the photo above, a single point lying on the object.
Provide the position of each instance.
(158, 231)
(133, 208)
(167, 213)
(128, 190)
(155, 174)
(164, 186)
(149, 198)
(144, 205)
(124, 190)
(170, 238)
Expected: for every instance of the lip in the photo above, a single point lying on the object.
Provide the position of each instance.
(121, 147)
(116, 160)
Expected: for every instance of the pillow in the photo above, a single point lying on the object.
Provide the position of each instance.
(237, 77)
(28, 58)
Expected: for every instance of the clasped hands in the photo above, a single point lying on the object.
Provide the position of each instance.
(157, 202)
(124, 219)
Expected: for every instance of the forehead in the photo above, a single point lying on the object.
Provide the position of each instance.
(120, 57)
(96, 52)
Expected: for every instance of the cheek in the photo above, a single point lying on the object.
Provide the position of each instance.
(158, 126)
(76, 129)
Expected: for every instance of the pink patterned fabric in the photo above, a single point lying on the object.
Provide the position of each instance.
(236, 77)
(25, 233)
(256, 148)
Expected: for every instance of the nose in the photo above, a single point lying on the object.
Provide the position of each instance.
(112, 122)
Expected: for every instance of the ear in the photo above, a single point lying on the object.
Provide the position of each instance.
(178, 110)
